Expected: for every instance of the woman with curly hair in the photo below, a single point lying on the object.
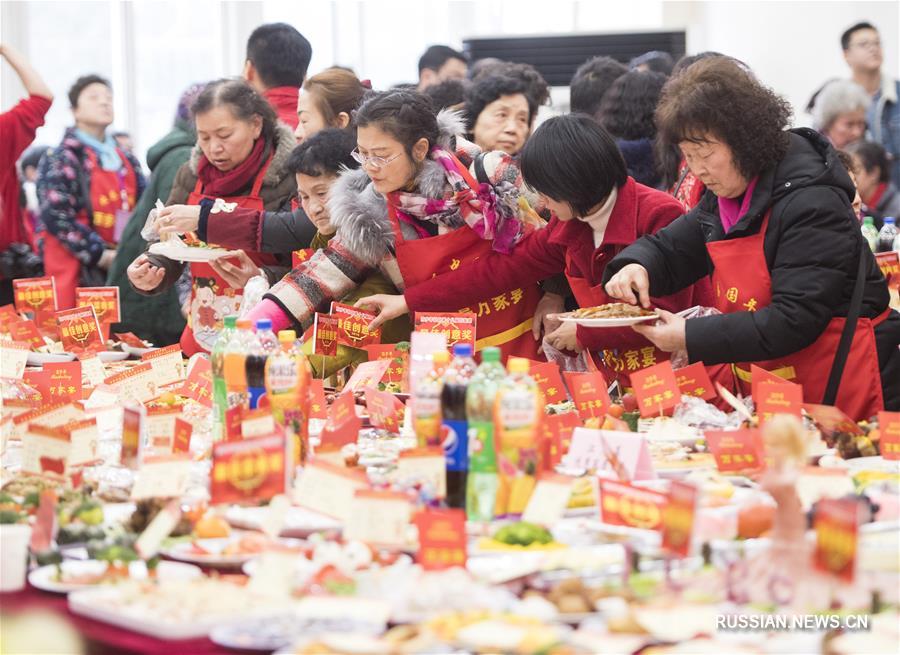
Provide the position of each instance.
(799, 292)
(626, 111)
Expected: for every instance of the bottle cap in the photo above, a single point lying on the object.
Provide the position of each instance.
(890, 219)
(244, 324)
(462, 350)
(868, 220)
(230, 321)
(517, 365)
(440, 357)
(287, 336)
(264, 324)
(490, 354)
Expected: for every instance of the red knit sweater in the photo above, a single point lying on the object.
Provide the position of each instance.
(566, 247)
(17, 127)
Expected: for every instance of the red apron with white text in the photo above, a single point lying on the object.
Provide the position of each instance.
(741, 282)
(617, 363)
(212, 299)
(113, 195)
(504, 320)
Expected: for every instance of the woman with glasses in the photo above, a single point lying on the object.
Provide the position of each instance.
(597, 210)
(414, 211)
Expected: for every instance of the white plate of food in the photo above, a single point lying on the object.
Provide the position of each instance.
(72, 575)
(178, 609)
(179, 251)
(616, 314)
(298, 522)
(136, 352)
(227, 552)
(39, 359)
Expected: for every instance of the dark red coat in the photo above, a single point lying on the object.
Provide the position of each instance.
(639, 210)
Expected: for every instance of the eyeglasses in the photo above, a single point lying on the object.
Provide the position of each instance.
(374, 162)
(866, 45)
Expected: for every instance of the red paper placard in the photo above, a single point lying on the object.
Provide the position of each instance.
(385, 411)
(634, 507)
(325, 335)
(837, 531)
(353, 326)
(773, 398)
(35, 294)
(442, 538)
(889, 263)
(27, 331)
(104, 300)
(558, 430)
(549, 381)
(457, 327)
(318, 406)
(889, 425)
(367, 374)
(131, 339)
(59, 382)
(8, 314)
(394, 377)
(181, 442)
(79, 329)
(589, 393)
(132, 436)
(251, 470)
(737, 450)
(678, 518)
(656, 388)
(198, 384)
(693, 380)
(342, 425)
(830, 420)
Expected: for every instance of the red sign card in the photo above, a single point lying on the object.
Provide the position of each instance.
(318, 407)
(773, 398)
(325, 335)
(104, 300)
(737, 450)
(198, 385)
(353, 326)
(60, 382)
(25, 330)
(889, 425)
(251, 470)
(342, 426)
(367, 374)
(442, 538)
(830, 420)
(558, 430)
(35, 294)
(837, 529)
(624, 504)
(385, 411)
(181, 442)
(693, 380)
(589, 393)
(394, 377)
(656, 388)
(678, 518)
(546, 374)
(458, 328)
(889, 263)
(79, 329)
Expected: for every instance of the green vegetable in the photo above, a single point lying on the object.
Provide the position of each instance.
(32, 500)
(8, 516)
(48, 557)
(523, 534)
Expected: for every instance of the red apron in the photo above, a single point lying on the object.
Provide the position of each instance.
(503, 321)
(211, 297)
(113, 194)
(742, 282)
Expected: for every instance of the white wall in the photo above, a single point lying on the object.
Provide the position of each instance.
(792, 46)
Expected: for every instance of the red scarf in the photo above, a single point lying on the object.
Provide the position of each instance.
(228, 183)
(873, 200)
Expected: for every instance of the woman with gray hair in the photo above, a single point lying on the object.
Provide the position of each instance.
(839, 112)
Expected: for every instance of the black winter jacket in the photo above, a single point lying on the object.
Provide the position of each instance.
(812, 248)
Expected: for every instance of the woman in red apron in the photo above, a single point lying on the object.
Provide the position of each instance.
(598, 210)
(240, 163)
(87, 188)
(800, 294)
(415, 212)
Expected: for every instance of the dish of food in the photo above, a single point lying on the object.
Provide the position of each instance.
(229, 552)
(182, 252)
(72, 575)
(616, 314)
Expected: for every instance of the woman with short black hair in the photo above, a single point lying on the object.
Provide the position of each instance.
(776, 231)
(872, 170)
(500, 113)
(574, 164)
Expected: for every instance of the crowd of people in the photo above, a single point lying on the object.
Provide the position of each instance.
(671, 184)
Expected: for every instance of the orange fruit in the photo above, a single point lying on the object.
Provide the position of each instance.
(211, 527)
(616, 411)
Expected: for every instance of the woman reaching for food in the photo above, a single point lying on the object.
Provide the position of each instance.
(598, 210)
(800, 293)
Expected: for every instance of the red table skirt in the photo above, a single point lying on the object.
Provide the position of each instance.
(103, 638)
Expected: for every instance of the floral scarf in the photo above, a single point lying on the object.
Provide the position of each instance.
(491, 211)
